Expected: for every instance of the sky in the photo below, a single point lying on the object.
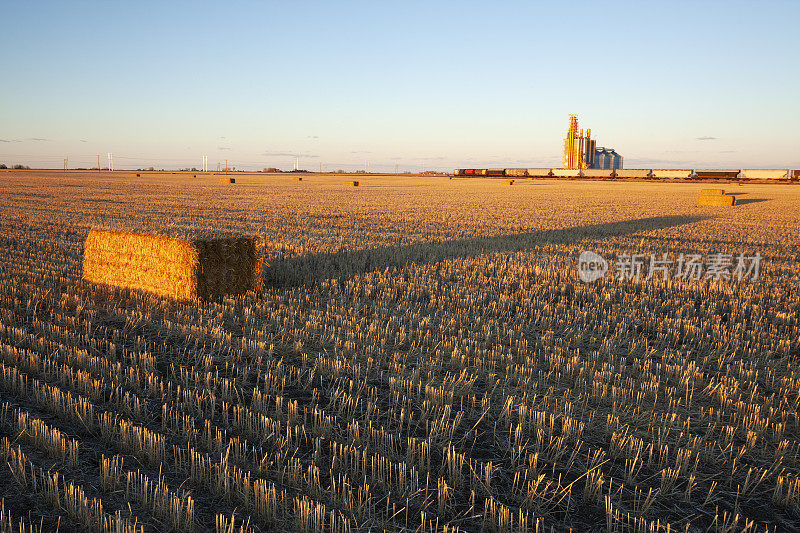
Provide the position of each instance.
(407, 85)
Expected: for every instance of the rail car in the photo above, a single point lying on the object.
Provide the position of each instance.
(634, 173)
(672, 173)
(717, 173)
(766, 173)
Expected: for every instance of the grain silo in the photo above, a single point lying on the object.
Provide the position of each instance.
(607, 158)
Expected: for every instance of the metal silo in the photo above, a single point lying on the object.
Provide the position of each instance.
(607, 158)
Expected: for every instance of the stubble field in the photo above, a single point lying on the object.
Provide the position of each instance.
(424, 357)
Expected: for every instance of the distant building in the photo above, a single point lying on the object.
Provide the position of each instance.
(607, 158)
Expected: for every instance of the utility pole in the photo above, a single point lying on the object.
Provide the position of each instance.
(98, 162)
(226, 165)
(110, 161)
(397, 168)
(66, 163)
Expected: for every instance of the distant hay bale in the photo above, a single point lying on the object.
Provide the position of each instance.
(176, 268)
(138, 175)
(716, 200)
(711, 192)
(298, 178)
(509, 182)
(227, 180)
(351, 184)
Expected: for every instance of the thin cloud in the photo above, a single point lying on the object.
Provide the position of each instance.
(286, 154)
(223, 148)
(360, 152)
(706, 138)
(654, 162)
(84, 141)
(313, 136)
(10, 141)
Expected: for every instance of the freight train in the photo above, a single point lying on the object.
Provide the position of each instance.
(657, 173)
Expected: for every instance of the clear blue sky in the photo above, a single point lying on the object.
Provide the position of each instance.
(417, 84)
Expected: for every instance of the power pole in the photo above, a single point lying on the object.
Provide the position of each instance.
(226, 165)
(98, 162)
(66, 163)
(110, 161)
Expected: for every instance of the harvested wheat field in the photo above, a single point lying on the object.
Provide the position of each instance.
(422, 356)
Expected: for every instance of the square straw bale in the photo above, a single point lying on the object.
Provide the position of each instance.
(227, 180)
(351, 184)
(710, 192)
(182, 269)
(715, 199)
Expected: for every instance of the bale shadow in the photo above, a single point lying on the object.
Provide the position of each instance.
(751, 201)
(736, 193)
(294, 271)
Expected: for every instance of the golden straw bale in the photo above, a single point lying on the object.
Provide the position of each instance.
(176, 268)
(709, 192)
(298, 178)
(715, 199)
(227, 180)
(509, 182)
(351, 184)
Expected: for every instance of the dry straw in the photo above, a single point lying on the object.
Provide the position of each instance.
(710, 192)
(227, 180)
(351, 184)
(176, 268)
(716, 200)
